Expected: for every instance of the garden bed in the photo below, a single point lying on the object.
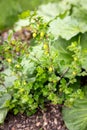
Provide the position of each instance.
(43, 65)
(50, 119)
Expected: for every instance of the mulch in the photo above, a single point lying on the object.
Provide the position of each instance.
(49, 119)
(24, 35)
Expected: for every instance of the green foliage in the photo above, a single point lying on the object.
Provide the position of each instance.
(6, 80)
(10, 9)
(39, 81)
(76, 117)
(68, 25)
(3, 106)
(50, 10)
(51, 69)
(69, 18)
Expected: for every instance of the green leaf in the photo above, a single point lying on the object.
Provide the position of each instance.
(76, 117)
(50, 10)
(83, 43)
(34, 56)
(3, 113)
(21, 23)
(9, 79)
(3, 100)
(67, 27)
(3, 108)
(65, 56)
(2, 88)
(79, 3)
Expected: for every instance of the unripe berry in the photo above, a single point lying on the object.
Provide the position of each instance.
(50, 69)
(45, 46)
(42, 34)
(34, 35)
(75, 59)
(74, 73)
(17, 66)
(9, 60)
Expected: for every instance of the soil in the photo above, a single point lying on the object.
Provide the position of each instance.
(49, 119)
(24, 35)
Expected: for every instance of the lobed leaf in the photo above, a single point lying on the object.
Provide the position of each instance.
(67, 27)
(3, 108)
(76, 117)
(50, 10)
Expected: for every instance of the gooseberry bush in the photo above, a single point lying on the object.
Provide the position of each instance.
(51, 68)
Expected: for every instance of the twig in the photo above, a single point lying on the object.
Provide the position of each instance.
(63, 74)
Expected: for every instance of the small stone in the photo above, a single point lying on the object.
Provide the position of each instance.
(45, 123)
(26, 121)
(18, 125)
(27, 128)
(55, 121)
(59, 128)
(23, 126)
(13, 128)
(38, 124)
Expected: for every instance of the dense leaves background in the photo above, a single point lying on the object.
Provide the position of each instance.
(11, 9)
(53, 68)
